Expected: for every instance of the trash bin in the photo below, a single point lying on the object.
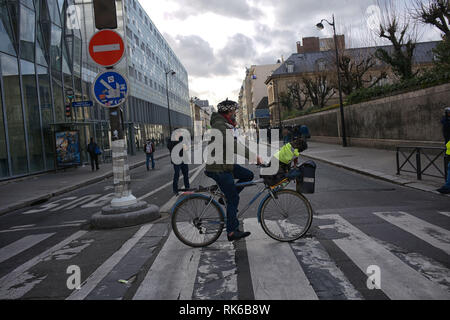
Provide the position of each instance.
(306, 184)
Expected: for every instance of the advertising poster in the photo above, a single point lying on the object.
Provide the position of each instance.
(68, 151)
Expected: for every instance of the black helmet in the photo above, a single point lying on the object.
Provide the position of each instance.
(227, 106)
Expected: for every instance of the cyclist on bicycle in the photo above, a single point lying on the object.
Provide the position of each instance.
(225, 174)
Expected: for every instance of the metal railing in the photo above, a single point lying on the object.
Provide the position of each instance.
(432, 154)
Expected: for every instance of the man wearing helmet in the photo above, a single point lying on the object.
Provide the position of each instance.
(224, 174)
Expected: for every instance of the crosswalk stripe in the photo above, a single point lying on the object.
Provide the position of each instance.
(96, 277)
(21, 245)
(447, 214)
(172, 275)
(434, 235)
(14, 285)
(276, 273)
(217, 272)
(398, 280)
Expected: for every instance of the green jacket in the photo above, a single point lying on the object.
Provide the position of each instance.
(220, 123)
(448, 148)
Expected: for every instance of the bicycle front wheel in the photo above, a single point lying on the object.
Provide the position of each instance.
(287, 216)
(197, 221)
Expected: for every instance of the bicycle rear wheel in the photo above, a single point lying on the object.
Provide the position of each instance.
(288, 217)
(197, 222)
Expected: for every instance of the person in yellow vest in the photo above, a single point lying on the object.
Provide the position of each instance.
(446, 188)
(289, 153)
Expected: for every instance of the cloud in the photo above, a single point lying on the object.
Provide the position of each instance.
(201, 60)
(239, 9)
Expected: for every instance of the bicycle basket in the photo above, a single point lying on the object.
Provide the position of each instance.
(306, 184)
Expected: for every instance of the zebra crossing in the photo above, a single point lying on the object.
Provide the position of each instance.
(333, 262)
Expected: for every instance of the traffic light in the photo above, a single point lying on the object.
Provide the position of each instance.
(68, 110)
(105, 14)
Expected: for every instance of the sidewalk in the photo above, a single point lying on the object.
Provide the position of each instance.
(377, 163)
(20, 193)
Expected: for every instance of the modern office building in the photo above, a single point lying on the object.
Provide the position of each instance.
(43, 56)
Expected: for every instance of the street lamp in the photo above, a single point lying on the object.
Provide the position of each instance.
(172, 73)
(320, 26)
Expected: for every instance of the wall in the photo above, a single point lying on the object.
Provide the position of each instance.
(407, 119)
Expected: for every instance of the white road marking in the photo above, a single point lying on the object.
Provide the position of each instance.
(398, 280)
(41, 228)
(21, 245)
(100, 202)
(49, 206)
(160, 188)
(447, 214)
(172, 275)
(107, 47)
(276, 273)
(21, 227)
(434, 235)
(169, 204)
(16, 283)
(95, 278)
(76, 202)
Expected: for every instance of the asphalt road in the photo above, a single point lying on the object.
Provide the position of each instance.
(357, 219)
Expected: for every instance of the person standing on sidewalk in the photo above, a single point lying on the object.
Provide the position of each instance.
(149, 149)
(94, 151)
(183, 167)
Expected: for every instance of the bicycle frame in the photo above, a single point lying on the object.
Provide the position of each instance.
(270, 193)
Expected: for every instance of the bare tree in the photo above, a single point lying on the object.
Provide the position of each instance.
(434, 12)
(317, 88)
(402, 34)
(295, 93)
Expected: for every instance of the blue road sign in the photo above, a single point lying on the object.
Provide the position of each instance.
(110, 89)
(82, 104)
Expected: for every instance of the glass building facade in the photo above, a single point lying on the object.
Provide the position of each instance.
(43, 56)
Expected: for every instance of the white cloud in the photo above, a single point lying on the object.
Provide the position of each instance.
(217, 39)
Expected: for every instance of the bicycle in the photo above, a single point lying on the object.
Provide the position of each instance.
(204, 223)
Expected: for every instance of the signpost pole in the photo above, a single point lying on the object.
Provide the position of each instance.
(110, 90)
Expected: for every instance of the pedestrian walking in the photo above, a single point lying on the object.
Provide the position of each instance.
(94, 151)
(183, 167)
(149, 149)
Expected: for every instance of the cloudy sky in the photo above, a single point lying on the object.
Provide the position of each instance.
(217, 39)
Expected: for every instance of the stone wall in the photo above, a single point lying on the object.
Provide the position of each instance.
(411, 118)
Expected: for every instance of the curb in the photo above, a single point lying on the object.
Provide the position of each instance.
(48, 196)
(380, 176)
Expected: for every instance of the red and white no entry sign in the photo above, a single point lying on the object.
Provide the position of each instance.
(106, 48)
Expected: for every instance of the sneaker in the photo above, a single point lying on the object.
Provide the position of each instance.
(238, 235)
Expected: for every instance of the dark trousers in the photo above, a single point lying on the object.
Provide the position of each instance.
(94, 158)
(150, 156)
(185, 170)
(225, 181)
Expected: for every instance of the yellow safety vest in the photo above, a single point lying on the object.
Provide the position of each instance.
(448, 148)
(287, 154)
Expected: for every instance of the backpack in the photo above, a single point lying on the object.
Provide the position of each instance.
(149, 148)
